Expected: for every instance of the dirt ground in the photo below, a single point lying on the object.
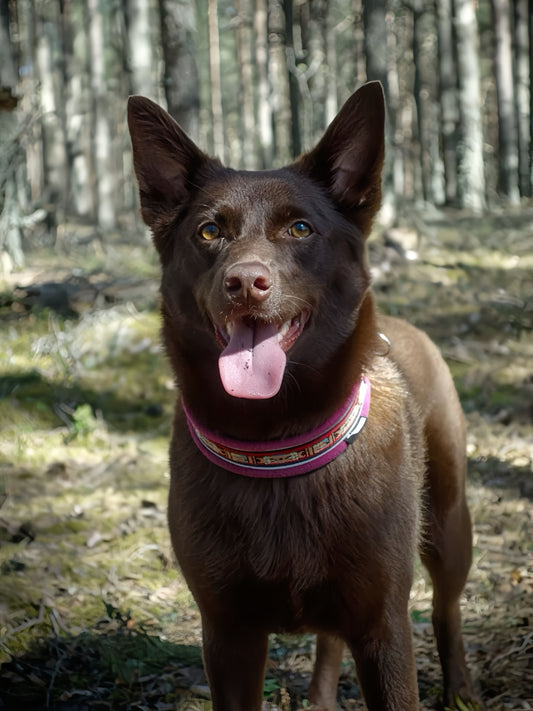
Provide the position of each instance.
(93, 613)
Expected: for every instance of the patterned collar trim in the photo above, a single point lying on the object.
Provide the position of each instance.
(291, 456)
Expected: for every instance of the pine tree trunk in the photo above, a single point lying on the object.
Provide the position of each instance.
(264, 110)
(377, 44)
(78, 93)
(374, 17)
(530, 13)
(101, 139)
(10, 239)
(30, 99)
(181, 81)
(294, 98)
(523, 88)
(303, 70)
(279, 81)
(53, 110)
(394, 104)
(449, 110)
(318, 81)
(332, 105)
(425, 90)
(357, 62)
(507, 129)
(471, 174)
(216, 83)
(141, 59)
(246, 85)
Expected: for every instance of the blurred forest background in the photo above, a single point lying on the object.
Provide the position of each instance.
(255, 82)
(93, 613)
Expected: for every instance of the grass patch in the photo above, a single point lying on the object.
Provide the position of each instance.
(119, 667)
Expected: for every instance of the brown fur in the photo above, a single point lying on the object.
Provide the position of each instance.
(331, 551)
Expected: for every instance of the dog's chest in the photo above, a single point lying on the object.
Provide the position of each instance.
(322, 536)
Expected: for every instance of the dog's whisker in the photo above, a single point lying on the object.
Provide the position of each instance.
(297, 300)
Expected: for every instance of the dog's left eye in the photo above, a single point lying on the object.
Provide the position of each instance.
(209, 231)
(300, 229)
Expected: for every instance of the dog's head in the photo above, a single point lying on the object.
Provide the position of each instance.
(260, 267)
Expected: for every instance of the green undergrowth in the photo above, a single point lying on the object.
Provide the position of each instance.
(78, 379)
(85, 411)
(116, 660)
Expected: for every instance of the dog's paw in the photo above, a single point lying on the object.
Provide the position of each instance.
(471, 704)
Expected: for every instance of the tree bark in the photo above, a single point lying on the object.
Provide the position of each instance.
(10, 238)
(30, 99)
(141, 58)
(181, 81)
(294, 99)
(396, 155)
(264, 110)
(425, 91)
(357, 62)
(216, 82)
(317, 51)
(332, 105)
(8, 74)
(377, 45)
(471, 174)
(522, 83)
(246, 85)
(374, 18)
(78, 99)
(303, 70)
(52, 99)
(530, 13)
(279, 82)
(449, 110)
(507, 128)
(101, 140)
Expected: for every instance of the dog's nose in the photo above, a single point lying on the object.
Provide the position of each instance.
(248, 281)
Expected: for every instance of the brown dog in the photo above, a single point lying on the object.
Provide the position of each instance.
(310, 456)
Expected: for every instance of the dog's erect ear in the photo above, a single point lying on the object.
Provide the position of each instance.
(349, 157)
(164, 157)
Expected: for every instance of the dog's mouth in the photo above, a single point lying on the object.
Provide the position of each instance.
(254, 356)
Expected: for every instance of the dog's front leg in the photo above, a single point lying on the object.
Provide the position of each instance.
(386, 669)
(234, 661)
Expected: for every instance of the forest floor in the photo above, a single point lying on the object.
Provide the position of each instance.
(93, 613)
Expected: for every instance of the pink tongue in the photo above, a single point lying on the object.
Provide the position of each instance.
(252, 364)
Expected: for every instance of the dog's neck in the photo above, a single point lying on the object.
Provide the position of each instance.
(291, 456)
(310, 397)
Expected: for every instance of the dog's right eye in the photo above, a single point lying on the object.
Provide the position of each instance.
(300, 230)
(209, 231)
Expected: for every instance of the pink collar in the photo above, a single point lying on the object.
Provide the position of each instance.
(291, 456)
